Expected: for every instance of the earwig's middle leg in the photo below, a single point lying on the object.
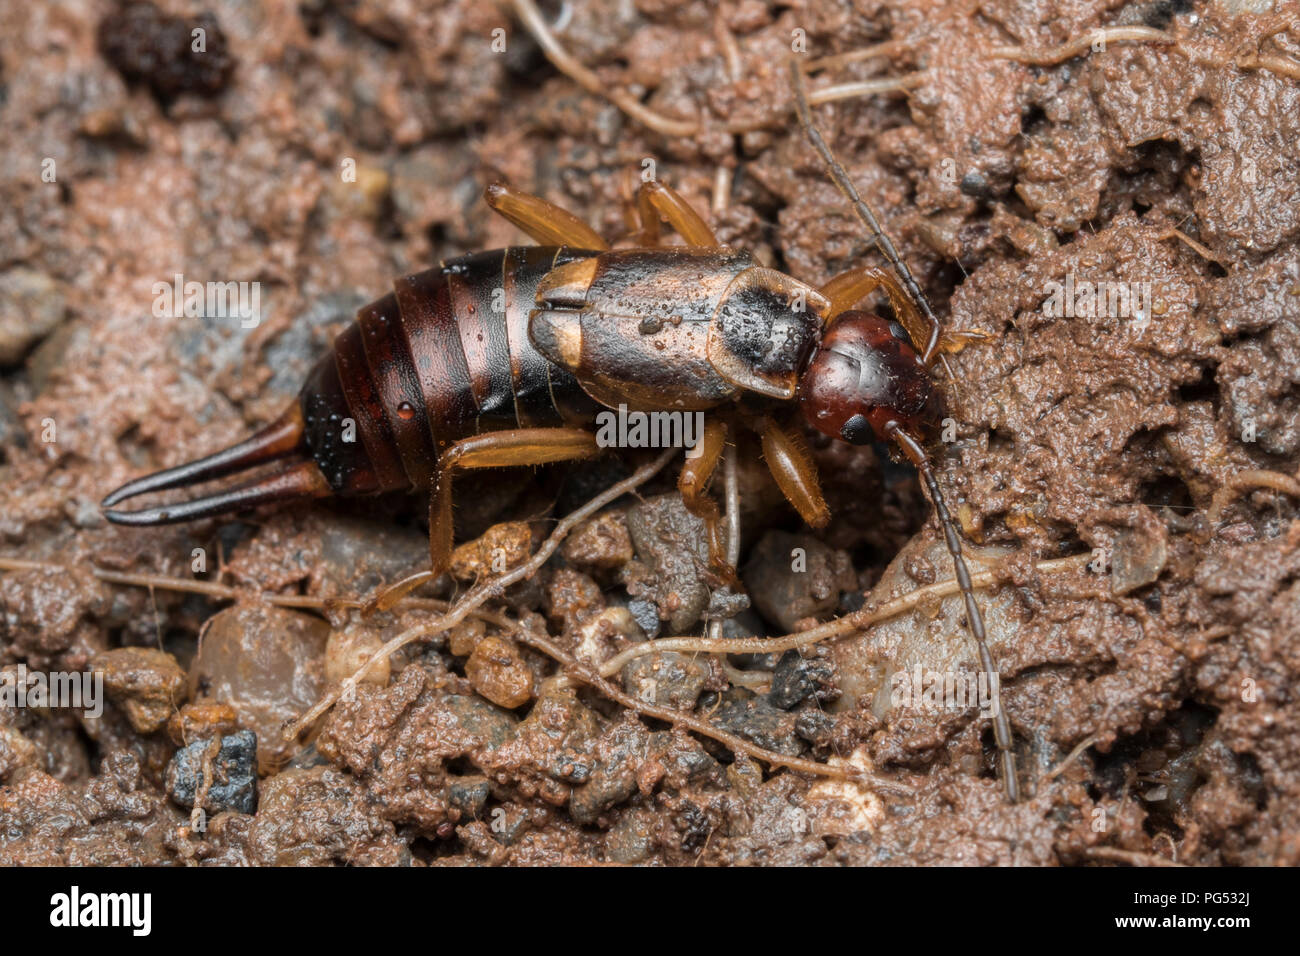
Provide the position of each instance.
(504, 449)
(693, 483)
(655, 199)
(795, 473)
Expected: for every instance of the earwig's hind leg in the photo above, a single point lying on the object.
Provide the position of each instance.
(641, 218)
(693, 483)
(655, 200)
(792, 466)
(543, 221)
(517, 447)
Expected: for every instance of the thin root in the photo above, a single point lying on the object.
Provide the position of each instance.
(1059, 54)
(886, 50)
(1131, 857)
(730, 48)
(844, 91)
(563, 61)
(1247, 481)
(1282, 66)
(1198, 248)
(721, 191)
(1071, 757)
(857, 621)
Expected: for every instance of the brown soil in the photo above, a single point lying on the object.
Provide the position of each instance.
(1152, 696)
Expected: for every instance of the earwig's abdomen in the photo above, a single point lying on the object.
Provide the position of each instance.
(444, 356)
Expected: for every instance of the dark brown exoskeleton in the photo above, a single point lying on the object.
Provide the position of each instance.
(503, 358)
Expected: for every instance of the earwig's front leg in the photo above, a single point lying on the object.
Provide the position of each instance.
(546, 222)
(788, 459)
(693, 483)
(848, 289)
(506, 449)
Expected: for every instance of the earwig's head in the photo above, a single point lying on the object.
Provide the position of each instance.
(864, 376)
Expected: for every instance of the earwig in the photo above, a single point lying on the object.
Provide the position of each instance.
(503, 358)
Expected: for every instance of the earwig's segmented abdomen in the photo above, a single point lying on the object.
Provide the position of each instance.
(444, 356)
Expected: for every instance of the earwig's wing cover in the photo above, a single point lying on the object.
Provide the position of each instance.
(763, 330)
(632, 325)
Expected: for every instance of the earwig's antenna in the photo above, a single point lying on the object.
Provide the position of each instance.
(850, 192)
(909, 445)
(1001, 725)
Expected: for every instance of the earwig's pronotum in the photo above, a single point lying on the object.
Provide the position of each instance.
(502, 359)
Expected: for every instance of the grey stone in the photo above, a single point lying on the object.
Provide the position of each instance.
(234, 774)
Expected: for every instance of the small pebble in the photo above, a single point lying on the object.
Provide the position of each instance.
(147, 683)
(796, 576)
(498, 672)
(233, 784)
(601, 543)
(469, 795)
(31, 307)
(665, 679)
(797, 678)
(501, 547)
(762, 724)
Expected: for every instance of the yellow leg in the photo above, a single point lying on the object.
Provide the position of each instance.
(846, 290)
(788, 459)
(505, 449)
(543, 221)
(693, 483)
(655, 201)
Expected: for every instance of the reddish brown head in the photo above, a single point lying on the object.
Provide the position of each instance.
(863, 377)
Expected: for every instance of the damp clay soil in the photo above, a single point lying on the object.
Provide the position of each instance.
(1108, 192)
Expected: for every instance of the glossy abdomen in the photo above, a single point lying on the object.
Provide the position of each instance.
(444, 356)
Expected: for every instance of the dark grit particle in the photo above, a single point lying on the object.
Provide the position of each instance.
(171, 55)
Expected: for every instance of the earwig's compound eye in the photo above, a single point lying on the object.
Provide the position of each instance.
(862, 378)
(856, 431)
